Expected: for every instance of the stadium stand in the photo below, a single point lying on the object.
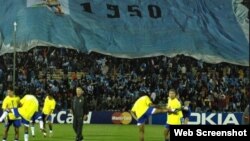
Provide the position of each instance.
(114, 83)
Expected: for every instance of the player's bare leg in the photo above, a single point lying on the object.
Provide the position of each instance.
(186, 120)
(16, 133)
(141, 132)
(44, 132)
(50, 129)
(5, 133)
(44, 129)
(166, 134)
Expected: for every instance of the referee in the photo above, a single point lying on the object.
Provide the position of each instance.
(80, 112)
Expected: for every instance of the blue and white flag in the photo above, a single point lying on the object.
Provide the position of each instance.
(211, 30)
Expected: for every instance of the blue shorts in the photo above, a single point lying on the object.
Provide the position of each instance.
(16, 123)
(16, 113)
(36, 116)
(186, 114)
(24, 121)
(167, 125)
(145, 116)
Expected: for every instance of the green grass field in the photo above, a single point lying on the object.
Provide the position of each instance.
(94, 132)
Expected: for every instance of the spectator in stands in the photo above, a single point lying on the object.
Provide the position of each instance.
(101, 75)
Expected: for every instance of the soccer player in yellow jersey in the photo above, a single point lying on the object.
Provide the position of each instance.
(9, 102)
(174, 114)
(142, 109)
(48, 108)
(27, 111)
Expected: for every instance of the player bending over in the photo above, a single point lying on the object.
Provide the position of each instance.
(27, 110)
(141, 110)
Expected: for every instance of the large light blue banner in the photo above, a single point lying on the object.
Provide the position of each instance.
(211, 30)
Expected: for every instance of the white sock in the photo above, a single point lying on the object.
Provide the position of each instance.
(32, 131)
(4, 115)
(41, 124)
(4, 140)
(26, 137)
(44, 134)
(50, 131)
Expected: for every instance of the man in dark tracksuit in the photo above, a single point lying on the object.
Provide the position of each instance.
(80, 112)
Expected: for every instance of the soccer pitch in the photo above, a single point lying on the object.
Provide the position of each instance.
(94, 132)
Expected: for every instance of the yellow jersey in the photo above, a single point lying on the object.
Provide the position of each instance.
(141, 106)
(49, 105)
(10, 103)
(174, 119)
(29, 105)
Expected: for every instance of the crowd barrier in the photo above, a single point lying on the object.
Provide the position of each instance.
(109, 117)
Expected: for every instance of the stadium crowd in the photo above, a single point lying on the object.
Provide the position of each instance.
(114, 83)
